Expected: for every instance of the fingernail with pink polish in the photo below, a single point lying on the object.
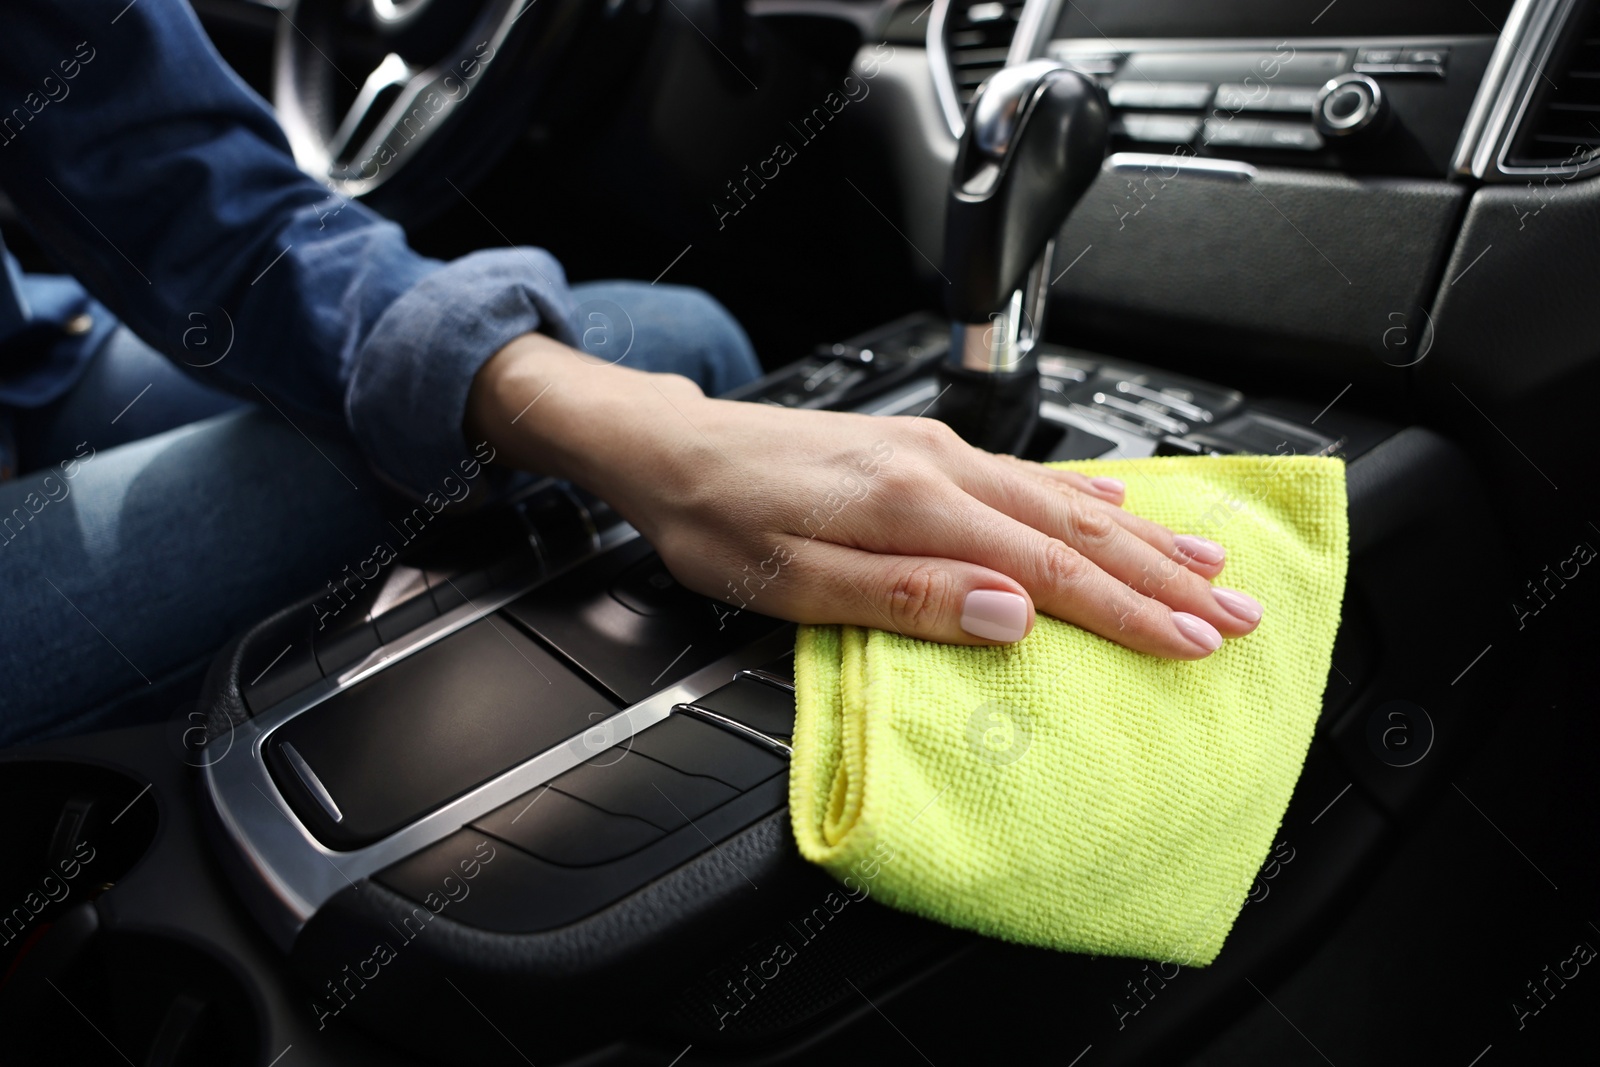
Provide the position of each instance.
(1237, 604)
(1109, 485)
(995, 615)
(1197, 630)
(1199, 549)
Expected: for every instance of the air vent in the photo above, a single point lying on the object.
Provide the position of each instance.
(1562, 127)
(978, 37)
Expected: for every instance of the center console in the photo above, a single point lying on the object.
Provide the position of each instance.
(524, 775)
(554, 776)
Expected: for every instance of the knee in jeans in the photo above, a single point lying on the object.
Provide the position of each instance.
(724, 351)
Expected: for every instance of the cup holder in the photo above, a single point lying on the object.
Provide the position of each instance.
(157, 1001)
(71, 832)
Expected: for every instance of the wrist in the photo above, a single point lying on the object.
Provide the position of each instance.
(549, 408)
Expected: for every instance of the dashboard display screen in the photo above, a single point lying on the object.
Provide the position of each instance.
(1278, 18)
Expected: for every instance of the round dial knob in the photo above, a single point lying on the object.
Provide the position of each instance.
(1349, 104)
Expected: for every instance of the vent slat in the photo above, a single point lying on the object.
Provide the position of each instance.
(1562, 123)
(977, 39)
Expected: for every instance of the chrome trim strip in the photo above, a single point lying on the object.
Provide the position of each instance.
(313, 784)
(1548, 38)
(766, 677)
(944, 86)
(286, 874)
(1196, 165)
(1039, 20)
(1524, 46)
(1492, 88)
(766, 741)
(1129, 445)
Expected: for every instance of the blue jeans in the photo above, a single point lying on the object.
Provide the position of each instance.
(144, 536)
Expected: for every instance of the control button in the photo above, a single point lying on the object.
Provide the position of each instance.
(562, 829)
(1380, 57)
(78, 325)
(1177, 446)
(815, 382)
(650, 589)
(1304, 66)
(402, 603)
(1094, 64)
(1292, 136)
(1349, 104)
(1280, 98)
(406, 617)
(632, 653)
(1231, 133)
(764, 708)
(472, 878)
(1429, 61)
(450, 591)
(696, 747)
(519, 569)
(278, 663)
(1254, 133)
(627, 783)
(1065, 368)
(344, 643)
(1181, 96)
(566, 529)
(1159, 129)
(1425, 57)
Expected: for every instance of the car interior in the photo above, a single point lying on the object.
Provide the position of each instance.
(1354, 228)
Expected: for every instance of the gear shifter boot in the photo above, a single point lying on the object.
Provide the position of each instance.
(994, 412)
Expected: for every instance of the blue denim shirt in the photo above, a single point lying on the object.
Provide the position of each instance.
(153, 174)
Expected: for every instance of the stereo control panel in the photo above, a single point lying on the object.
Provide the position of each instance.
(1365, 105)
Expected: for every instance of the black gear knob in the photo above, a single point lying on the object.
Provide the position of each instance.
(1034, 142)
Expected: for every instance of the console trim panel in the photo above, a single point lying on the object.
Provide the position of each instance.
(289, 874)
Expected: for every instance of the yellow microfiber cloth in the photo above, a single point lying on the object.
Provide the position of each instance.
(1065, 791)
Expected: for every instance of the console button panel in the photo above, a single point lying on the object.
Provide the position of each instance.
(623, 620)
(567, 831)
(513, 891)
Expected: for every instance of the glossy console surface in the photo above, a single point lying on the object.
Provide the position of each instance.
(400, 743)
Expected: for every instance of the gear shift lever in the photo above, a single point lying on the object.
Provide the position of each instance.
(1034, 142)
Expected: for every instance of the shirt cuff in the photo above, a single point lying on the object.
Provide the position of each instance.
(408, 390)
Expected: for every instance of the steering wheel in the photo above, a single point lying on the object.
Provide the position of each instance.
(448, 86)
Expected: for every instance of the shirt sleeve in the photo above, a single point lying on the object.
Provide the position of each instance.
(159, 179)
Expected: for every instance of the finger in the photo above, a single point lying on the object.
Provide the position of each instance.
(1058, 579)
(944, 600)
(1071, 585)
(1204, 557)
(1093, 531)
(1101, 487)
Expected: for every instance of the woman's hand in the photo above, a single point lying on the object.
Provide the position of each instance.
(831, 517)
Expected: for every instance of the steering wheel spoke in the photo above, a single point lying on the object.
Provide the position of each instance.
(391, 73)
(458, 79)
